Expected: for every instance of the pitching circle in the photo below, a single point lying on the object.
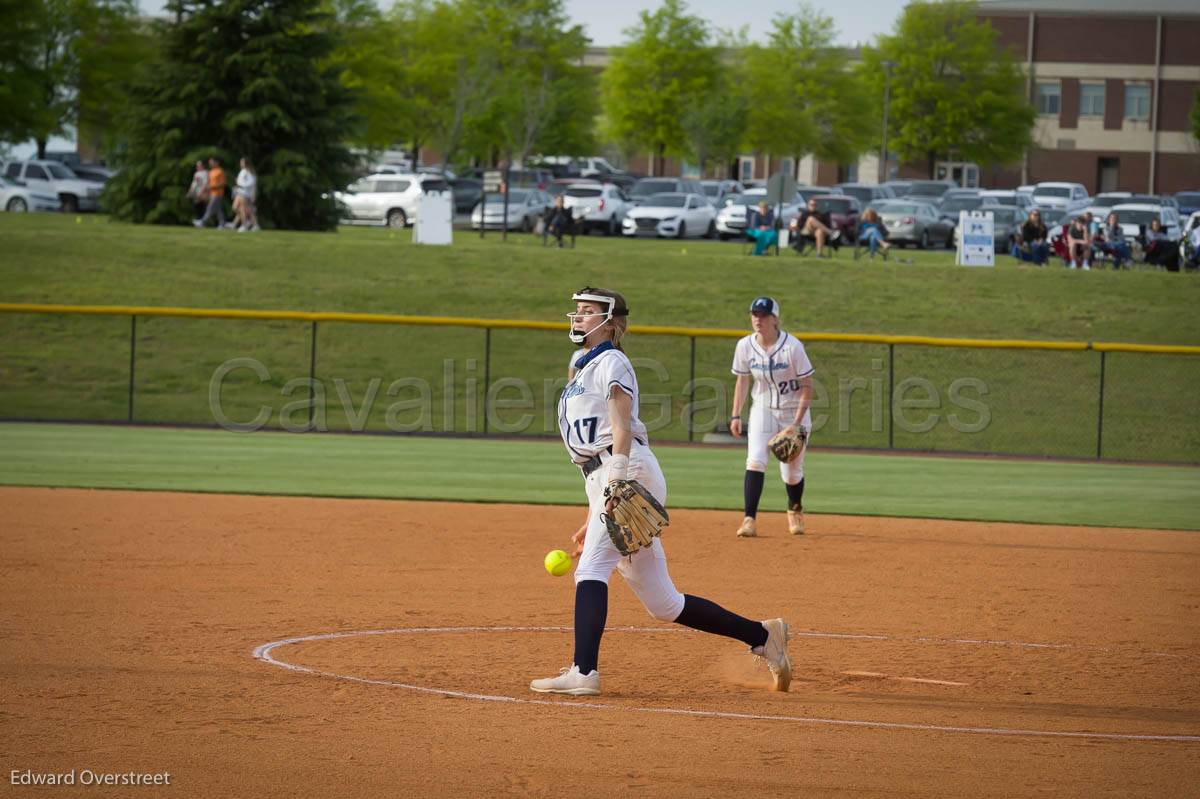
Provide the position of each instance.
(265, 652)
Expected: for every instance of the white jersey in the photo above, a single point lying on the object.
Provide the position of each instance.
(775, 375)
(583, 417)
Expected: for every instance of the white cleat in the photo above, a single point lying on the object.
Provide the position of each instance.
(796, 522)
(569, 681)
(774, 651)
(749, 528)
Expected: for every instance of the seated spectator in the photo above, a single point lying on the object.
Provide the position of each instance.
(1160, 250)
(1114, 242)
(1079, 244)
(559, 220)
(815, 226)
(1191, 248)
(1030, 244)
(873, 233)
(760, 228)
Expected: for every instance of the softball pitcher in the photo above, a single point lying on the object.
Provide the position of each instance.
(775, 364)
(598, 420)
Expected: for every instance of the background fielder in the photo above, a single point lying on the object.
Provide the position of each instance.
(774, 364)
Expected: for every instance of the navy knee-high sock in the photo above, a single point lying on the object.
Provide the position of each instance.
(709, 617)
(796, 495)
(591, 612)
(753, 488)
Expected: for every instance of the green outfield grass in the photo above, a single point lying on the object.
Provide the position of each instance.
(537, 472)
(1039, 403)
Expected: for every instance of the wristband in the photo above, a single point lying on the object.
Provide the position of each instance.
(731, 418)
(618, 468)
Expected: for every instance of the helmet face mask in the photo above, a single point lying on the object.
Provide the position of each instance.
(589, 295)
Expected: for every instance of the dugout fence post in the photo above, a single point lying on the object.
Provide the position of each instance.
(312, 373)
(691, 390)
(891, 408)
(1100, 410)
(132, 358)
(487, 373)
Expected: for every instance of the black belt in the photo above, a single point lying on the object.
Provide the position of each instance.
(593, 463)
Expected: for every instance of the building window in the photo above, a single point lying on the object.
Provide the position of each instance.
(1137, 101)
(1091, 100)
(1049, 98)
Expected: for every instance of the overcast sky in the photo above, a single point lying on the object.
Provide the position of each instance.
(858, 22)
(604, 20)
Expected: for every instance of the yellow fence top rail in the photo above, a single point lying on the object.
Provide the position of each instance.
(521, 324)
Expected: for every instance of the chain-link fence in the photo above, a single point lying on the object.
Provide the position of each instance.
(350, 373)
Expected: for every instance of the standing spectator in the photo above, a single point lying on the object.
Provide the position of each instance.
(1033, 246)
(216, 194)
(245, 197)
(761, 228)
(1079, 244)
(1160, 250)
(559, 220)
(198, 191)
(1114, 242)
(814, 225)
(872, 231)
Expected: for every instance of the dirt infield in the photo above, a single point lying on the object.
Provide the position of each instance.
(128, 622)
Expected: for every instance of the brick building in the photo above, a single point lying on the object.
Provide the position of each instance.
(1113, 85)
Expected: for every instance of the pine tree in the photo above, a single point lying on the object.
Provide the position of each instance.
(239, 78)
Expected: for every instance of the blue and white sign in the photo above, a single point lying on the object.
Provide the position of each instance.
(976, 239)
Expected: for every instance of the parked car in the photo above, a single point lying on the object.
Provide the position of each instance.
(899, 187)
(600, 206)
(525, 207)
(864, 192)
(951, 207)
(383, 199)
(96, 173)
(929, 190)
(1189, 202)
(392, 168)
(594, 166)
(445, 173)
(959, 192)
(804, 192)
(1016, 199)
(17, 198)
(530, 178)
(53, 178)
(648, 187)
(672, 214)
(843, 213)
(467, 193)
(1056, 195)
(1006, 221)
(1135, 219)
(718, 190)
(912, 221)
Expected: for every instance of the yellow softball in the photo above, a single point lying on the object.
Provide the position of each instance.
(558, 562)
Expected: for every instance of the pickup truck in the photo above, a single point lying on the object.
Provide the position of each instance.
(51, 177)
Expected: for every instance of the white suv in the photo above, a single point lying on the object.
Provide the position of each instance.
(385, 199)
(1057, 195)
(51, 177)
(601, 207)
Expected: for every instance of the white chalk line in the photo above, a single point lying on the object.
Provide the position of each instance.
(263, 652)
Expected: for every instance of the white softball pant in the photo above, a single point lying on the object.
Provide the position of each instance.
(765, 422)
(646, 570)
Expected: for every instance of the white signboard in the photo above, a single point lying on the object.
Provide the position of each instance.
(976, 239)
(434, 216)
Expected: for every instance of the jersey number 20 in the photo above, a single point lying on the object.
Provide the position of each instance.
(588, 425)
(789, 385)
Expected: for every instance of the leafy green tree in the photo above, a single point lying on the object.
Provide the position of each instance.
(955, 91)
(542, 96)
(715, 122)
(65, 61)
(664, 68)
(240, 78)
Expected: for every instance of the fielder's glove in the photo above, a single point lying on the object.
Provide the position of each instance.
(788, 443)
(637, 518)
